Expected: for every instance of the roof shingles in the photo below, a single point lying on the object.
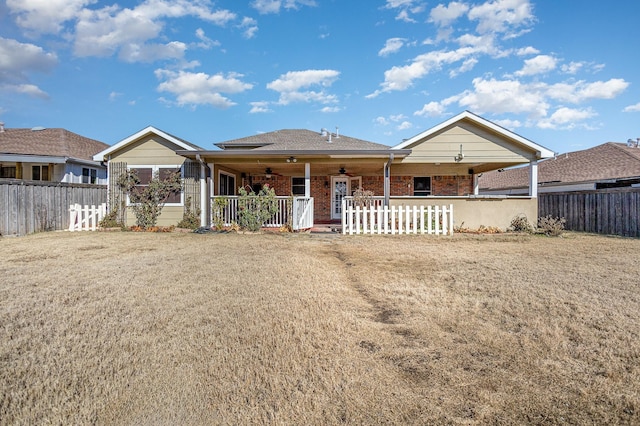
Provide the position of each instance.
(607, 161)
(50, 142)
(300, 139)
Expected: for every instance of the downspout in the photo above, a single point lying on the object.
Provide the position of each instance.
(204, 206)
(387, 178)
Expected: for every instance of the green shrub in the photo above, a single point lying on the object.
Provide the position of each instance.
(190, 218)
(148, 201)
(255, 209)
(219, 206)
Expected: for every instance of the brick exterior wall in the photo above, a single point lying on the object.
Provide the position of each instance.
(400, 186)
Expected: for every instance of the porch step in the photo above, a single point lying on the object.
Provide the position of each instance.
(325, 228)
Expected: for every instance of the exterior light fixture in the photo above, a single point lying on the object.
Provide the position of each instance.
(267, 173)
(458, 158)
(292, 160)
(342, 171)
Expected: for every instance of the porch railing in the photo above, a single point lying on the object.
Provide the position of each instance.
(300, 216)
(380, 219)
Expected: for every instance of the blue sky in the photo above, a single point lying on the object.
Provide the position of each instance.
(564, 74)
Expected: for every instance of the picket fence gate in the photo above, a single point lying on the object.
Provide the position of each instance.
(378, 219)
(86, 218)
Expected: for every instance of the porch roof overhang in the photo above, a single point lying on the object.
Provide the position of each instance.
(323, 162)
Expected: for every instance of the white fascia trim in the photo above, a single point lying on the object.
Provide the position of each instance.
(102, 155)
(541, 151)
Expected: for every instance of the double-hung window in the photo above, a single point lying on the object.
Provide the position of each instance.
(89, 175)
(40, 173)
(297, 186)
(146, 173)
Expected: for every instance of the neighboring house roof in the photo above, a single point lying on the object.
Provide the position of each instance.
(479, 121)
(59, 143)
(607, 162)
(300, 140)
(181, 143)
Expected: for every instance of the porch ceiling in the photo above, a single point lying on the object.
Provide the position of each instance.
(327, 168)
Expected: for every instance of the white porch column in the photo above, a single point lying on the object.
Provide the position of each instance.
(476, 184)
(307, 180)
(203, 195)
(533, 179)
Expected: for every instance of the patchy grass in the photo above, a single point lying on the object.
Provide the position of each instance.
(150, 328)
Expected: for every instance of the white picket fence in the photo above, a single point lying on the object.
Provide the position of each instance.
(377, 219)
(86, 218)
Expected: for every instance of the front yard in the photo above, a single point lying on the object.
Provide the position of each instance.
(143, 328)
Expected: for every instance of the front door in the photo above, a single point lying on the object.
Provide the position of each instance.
(339, 186)
(342, 186)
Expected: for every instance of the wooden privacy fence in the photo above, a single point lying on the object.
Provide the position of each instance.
(29, 206)
(86, 218)
(611, 211)
(378, 219)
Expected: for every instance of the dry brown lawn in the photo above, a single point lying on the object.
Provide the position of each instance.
(135, 328)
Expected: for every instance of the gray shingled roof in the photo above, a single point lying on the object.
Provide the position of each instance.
(300, 139)
(607, 161)
(50, 142)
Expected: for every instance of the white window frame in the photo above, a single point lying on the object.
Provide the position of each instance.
(155, 168)
(90, 176)
(222, 172)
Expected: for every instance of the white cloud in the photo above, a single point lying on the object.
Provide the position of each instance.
(290, 86)
(114, 95)
(500, 16)
(249, 27)
(581, 91)
(205, 42)
(537, 65)
(504, 96)
(572, 67)
(566, 118)
(509, 124)
(632, 108)
(407, 7)
(259, 107)
(17, 61)
(25, 89)
(381, 121)
(201, 89)
(432, 109)
(108, 30)
(443, 15)
(330, 109)
(295, 80)
(402, 77)
(391, 46)
(524, 51)
(45, 16)
(404, 125)
(273, 6)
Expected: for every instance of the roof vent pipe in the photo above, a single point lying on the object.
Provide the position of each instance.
(337, 132)
(323, 132)
(1, 127)
(329, 140)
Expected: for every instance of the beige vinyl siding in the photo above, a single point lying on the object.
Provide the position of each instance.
(170, 215)
(478, 145)
(150, 150)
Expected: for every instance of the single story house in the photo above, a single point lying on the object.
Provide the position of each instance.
(320, 169)
(610, 165)
(56, 155)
